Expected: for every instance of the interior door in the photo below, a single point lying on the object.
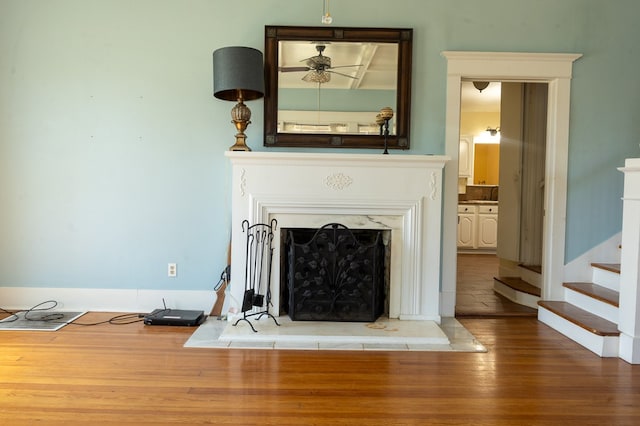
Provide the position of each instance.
(523, 127)
(533, 172)
(509, 204)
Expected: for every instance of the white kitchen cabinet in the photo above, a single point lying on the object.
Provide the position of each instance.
(487, 227)
(467, 226)
(465, 158)
(477, 226)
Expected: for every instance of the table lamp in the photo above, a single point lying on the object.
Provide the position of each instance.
(238, 75)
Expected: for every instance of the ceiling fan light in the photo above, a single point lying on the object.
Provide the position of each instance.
(317, 77)
(480, 85)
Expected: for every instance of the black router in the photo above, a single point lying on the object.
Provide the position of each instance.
(177, 317)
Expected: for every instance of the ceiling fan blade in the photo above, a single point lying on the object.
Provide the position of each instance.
(347, 66)
(293, 69)
(344, 75)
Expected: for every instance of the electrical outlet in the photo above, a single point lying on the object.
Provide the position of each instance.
(172, 270)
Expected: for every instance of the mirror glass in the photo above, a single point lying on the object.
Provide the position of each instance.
(486, 164)
(335, 87)
(325, 86)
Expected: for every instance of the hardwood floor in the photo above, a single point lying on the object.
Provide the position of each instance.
(475, 297)
(136, 374)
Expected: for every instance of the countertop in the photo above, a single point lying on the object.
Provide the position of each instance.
(490, 202)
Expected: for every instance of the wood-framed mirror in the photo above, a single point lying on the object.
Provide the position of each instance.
(324, 86)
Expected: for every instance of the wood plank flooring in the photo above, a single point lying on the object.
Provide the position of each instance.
(136, 374)
(475, 297)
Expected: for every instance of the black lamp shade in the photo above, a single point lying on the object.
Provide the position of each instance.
(238, 72)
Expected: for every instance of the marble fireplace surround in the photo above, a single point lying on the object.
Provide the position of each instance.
(399, 193)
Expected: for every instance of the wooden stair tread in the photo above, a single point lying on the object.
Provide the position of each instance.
(611, 267)
(595, 291)
(581, 318)
(519, 284)
(534, 268)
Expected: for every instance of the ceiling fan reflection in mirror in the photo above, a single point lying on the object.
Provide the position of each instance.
(318, 68)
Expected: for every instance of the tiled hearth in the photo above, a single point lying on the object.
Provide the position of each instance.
(382, 335)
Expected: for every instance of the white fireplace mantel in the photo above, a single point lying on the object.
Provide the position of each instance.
(400, 193)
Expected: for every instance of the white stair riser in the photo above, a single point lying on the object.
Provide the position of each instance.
(516, 296)
(508, 270)
(595, 306)
(608, 279)
(531, 277)
(604, 346)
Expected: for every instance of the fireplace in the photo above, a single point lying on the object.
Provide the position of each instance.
(399, 194)
(333, 274)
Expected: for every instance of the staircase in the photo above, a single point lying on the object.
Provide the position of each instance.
(522, 288)
(589, 313)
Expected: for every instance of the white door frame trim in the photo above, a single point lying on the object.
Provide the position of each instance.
(554, 69)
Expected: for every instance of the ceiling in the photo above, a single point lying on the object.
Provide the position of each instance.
(472, 100)
(376, 64)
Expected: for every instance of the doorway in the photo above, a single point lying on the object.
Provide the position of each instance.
(511, 150)
(554, 69)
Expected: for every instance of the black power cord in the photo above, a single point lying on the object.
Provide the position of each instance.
(12, 316)
(55, 317)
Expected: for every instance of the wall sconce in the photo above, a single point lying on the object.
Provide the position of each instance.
(491, 135)
(238, 75)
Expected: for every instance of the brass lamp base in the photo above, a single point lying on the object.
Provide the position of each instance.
(241, 115)
(240, 144)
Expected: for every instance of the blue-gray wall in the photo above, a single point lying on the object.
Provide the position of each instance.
(112, 147)
(335, 99)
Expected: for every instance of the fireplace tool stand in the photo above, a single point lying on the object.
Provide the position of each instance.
(257, 274)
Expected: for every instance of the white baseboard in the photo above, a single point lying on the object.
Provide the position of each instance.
(630, 348)
(447, 303)
(106, 300)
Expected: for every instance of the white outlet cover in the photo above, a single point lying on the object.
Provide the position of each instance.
(172, 269)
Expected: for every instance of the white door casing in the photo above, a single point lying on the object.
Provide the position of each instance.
(554, 69)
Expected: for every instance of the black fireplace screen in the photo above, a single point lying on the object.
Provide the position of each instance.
(335, 274)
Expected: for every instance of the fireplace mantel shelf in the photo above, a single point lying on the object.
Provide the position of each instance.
(380, 160)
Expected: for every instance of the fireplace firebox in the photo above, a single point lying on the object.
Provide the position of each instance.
(334, 274)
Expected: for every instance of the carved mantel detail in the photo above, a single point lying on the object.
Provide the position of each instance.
(338, 181)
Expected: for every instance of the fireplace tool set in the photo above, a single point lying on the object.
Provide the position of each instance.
(257, 288)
